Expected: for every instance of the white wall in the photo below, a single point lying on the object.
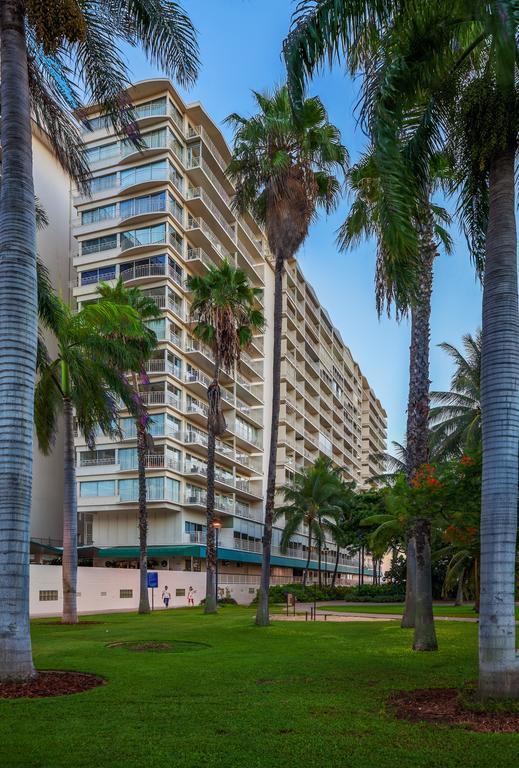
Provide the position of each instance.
(98, 589)
(52, 187)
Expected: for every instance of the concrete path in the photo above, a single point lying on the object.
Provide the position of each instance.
(351, 615)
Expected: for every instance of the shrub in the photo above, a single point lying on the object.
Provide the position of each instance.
(383, 593)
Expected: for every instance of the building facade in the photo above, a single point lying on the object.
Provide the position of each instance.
(153, 218)
(52, 187)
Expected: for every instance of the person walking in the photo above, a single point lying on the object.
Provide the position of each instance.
(191, 596)
(166, 597)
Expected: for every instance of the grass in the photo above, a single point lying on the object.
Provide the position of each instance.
(460, 611)
(294, 694)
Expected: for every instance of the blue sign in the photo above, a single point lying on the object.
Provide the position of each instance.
(153, 580)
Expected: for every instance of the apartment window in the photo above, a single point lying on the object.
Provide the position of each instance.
(155, 265)
(150, 172)
(101, 152)
(177, 179)
(48, 595)
(176, 209)
(102, 213)
(172, 488)
(176, 240)
(158, 327)
(325, 445)
(151, 108)
(190, 527)
(97, 488)
(176, 114)
(143, 204)
(102, 457)
(125, 593)
(94, 276)
(98, 183)
(155, 486)
(97, 244)
(128, 458)
(175, 365)
(246, 431)
(96, 123)
(144, 236)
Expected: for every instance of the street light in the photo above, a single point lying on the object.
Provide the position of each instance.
(216, 524)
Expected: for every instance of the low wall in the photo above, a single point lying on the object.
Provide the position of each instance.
(99, 589)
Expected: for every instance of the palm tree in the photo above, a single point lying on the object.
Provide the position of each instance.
(82, 382)
(339, 521)
(445, 73)
(309, 500)
(223, 304)
(38, 41)
(283, 169)
(366, 218)
(455, 419)
(147, 310)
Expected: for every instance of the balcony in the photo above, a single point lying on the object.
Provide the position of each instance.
(160, 397)
(202, 205)
(152, 144)
(199, 132)
(204, 238)
(144, 177)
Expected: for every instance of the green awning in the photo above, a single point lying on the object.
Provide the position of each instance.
(197, 550)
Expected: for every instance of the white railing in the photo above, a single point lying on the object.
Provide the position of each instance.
(201, 194)
(196, 223)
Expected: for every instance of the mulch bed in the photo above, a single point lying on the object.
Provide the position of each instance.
(50, 683)
(444, 707)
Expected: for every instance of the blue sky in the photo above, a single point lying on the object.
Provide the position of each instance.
(240, 43)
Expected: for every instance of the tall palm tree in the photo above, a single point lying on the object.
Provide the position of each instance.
(365, 219)
(455, 418)
(309, 500)
(284, 168)
(339, 521)
(223, 304)
(83, 383)
(38, 41)
(445, 72)
(147, 310)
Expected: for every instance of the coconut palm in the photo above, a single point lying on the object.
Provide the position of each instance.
(223, 305)
(308, 502)
(366, 219)
(445, 72)
(83, 383)
(147, 310)
(38, 41)
(338, 523)
(455, 418)
(284, 168)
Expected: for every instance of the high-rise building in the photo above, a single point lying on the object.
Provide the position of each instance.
(155, 216)
(52, 187)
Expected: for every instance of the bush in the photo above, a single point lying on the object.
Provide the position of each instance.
(383, 593)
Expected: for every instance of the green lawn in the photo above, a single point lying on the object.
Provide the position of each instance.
(463, 611)
(296, 694)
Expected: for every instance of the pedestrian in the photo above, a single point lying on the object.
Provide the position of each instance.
(166, 597)
(191, 596)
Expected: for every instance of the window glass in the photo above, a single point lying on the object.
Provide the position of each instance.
(98, 214)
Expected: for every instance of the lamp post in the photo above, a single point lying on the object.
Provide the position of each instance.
(217, 524)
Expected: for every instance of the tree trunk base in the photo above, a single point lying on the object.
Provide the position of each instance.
(407, 622)
(143, 609)
(499, 684)
(425, 644)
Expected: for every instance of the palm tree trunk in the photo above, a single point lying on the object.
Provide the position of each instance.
(498, 660)
(69, 566)
(307, 566)
(144, 603)
(410, 585)
(319, 561)
(18, 333)
(211, 598)
(336, 568)
(362, 561)
(262, 613)
(417, 439)
(459, 590)
(424, 633)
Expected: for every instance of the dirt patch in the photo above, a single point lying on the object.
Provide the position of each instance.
(444, 706)
(50, 683)
(177, 646)
(79, 625)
